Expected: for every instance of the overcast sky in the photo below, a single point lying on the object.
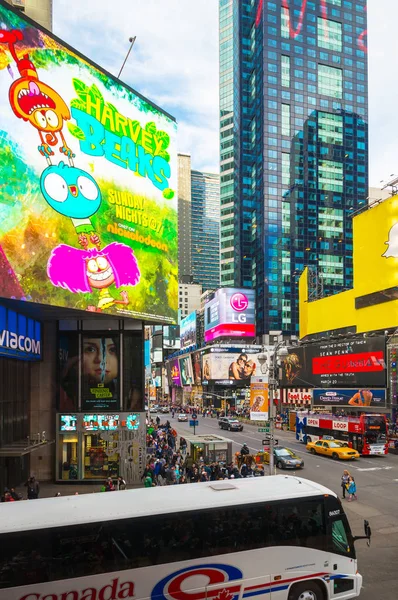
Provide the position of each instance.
(175, 63)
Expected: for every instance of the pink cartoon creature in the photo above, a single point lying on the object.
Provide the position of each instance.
(83, 271)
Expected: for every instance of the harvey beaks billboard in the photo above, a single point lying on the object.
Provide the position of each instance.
(88, 209)
(230, 313)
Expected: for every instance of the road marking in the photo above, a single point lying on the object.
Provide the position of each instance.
(374, 469)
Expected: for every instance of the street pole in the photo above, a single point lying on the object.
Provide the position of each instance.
(272, 386)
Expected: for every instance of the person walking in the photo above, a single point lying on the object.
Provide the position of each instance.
(344, 481)
(121, 484)
(352, 489)
(33, 488)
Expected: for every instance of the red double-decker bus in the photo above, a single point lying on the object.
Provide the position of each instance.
(367, 433)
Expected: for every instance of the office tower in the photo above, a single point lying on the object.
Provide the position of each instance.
(293, 147)
(39, 10)
(189, 295)
(205, 229)
(184, 218)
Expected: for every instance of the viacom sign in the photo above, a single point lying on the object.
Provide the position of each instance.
(20, 337)
(230, 313)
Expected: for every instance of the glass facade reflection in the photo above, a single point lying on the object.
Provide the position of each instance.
(294, 147)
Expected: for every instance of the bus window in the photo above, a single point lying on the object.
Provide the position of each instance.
(339, 538)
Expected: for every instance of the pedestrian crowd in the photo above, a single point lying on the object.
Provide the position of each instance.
(169, 463)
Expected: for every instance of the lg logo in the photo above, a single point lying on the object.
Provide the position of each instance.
(239, 302)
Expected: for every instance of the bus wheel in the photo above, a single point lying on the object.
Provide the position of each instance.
(335, 456)
(306, 591)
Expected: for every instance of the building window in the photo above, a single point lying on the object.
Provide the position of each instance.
(330, 35)
(285, 71)
(330, 81)
(285, 119)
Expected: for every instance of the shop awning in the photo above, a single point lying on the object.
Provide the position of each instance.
(17, 449)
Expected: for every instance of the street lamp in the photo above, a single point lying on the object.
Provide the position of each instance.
(273, 381)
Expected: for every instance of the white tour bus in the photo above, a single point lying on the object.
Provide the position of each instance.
(281, 538)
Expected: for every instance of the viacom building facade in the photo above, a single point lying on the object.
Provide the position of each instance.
(88, 254)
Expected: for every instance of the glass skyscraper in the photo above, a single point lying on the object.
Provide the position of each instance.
(293, 147)
(205, 229)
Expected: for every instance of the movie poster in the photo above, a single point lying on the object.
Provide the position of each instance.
(100, 373)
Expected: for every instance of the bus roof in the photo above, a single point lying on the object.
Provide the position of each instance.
(109, 506)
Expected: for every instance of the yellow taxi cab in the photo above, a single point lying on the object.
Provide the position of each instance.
(332, 448)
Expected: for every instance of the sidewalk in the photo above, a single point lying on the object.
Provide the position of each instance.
(49, 490)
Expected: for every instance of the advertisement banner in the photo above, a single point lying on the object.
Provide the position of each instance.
(171, 337)
(100, 373)
(188, 330)
(259, 401)
(88, 216)
(357, 398)
(347, 363)
(197, 367)
(230, 313)
(186, 370)
(228, 366)
(175, 376)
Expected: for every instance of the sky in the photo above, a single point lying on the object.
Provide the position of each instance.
(174, 63)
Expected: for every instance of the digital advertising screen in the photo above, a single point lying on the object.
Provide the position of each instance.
(346, 363)
(228, 366)
(132, 422)
(108, 422)
(90, 422)
(68, 422)
(171, 337)
(230, 313)
(197, 367)
(156, 376)
(259, 403)
(88, 183)
(357, 398)
(188, 330)
(175, 377)
(186, 371)
(100, 372)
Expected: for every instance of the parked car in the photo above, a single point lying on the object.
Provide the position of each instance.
(285, 458)
(182, 417)
(230, 424)
(332, 448)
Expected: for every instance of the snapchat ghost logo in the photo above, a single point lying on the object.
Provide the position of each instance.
(392, 250)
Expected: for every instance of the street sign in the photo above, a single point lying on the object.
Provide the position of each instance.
(194, 416)
(193, 423)
(268, 440)
(263, 429)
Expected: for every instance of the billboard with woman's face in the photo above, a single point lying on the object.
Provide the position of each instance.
(100, 372)
(228, 367)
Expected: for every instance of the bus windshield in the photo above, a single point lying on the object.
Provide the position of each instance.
(375, 429)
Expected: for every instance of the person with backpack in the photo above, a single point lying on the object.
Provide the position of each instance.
(352, 489)
(33, 488)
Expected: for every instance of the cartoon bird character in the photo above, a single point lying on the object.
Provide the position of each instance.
(84, 270)
(36, 102)
(73, 193)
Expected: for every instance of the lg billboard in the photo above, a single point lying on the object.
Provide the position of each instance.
(230, 313)
(88, 216)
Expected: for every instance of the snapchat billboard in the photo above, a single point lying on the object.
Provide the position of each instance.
(88, 175)
(376, 248)
(372, 303)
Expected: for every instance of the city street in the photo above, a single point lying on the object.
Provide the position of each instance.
(377, 482)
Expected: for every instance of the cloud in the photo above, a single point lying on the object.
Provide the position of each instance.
(174, 61)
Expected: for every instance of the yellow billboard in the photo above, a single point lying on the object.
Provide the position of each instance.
(259, 401)
(372, 303)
